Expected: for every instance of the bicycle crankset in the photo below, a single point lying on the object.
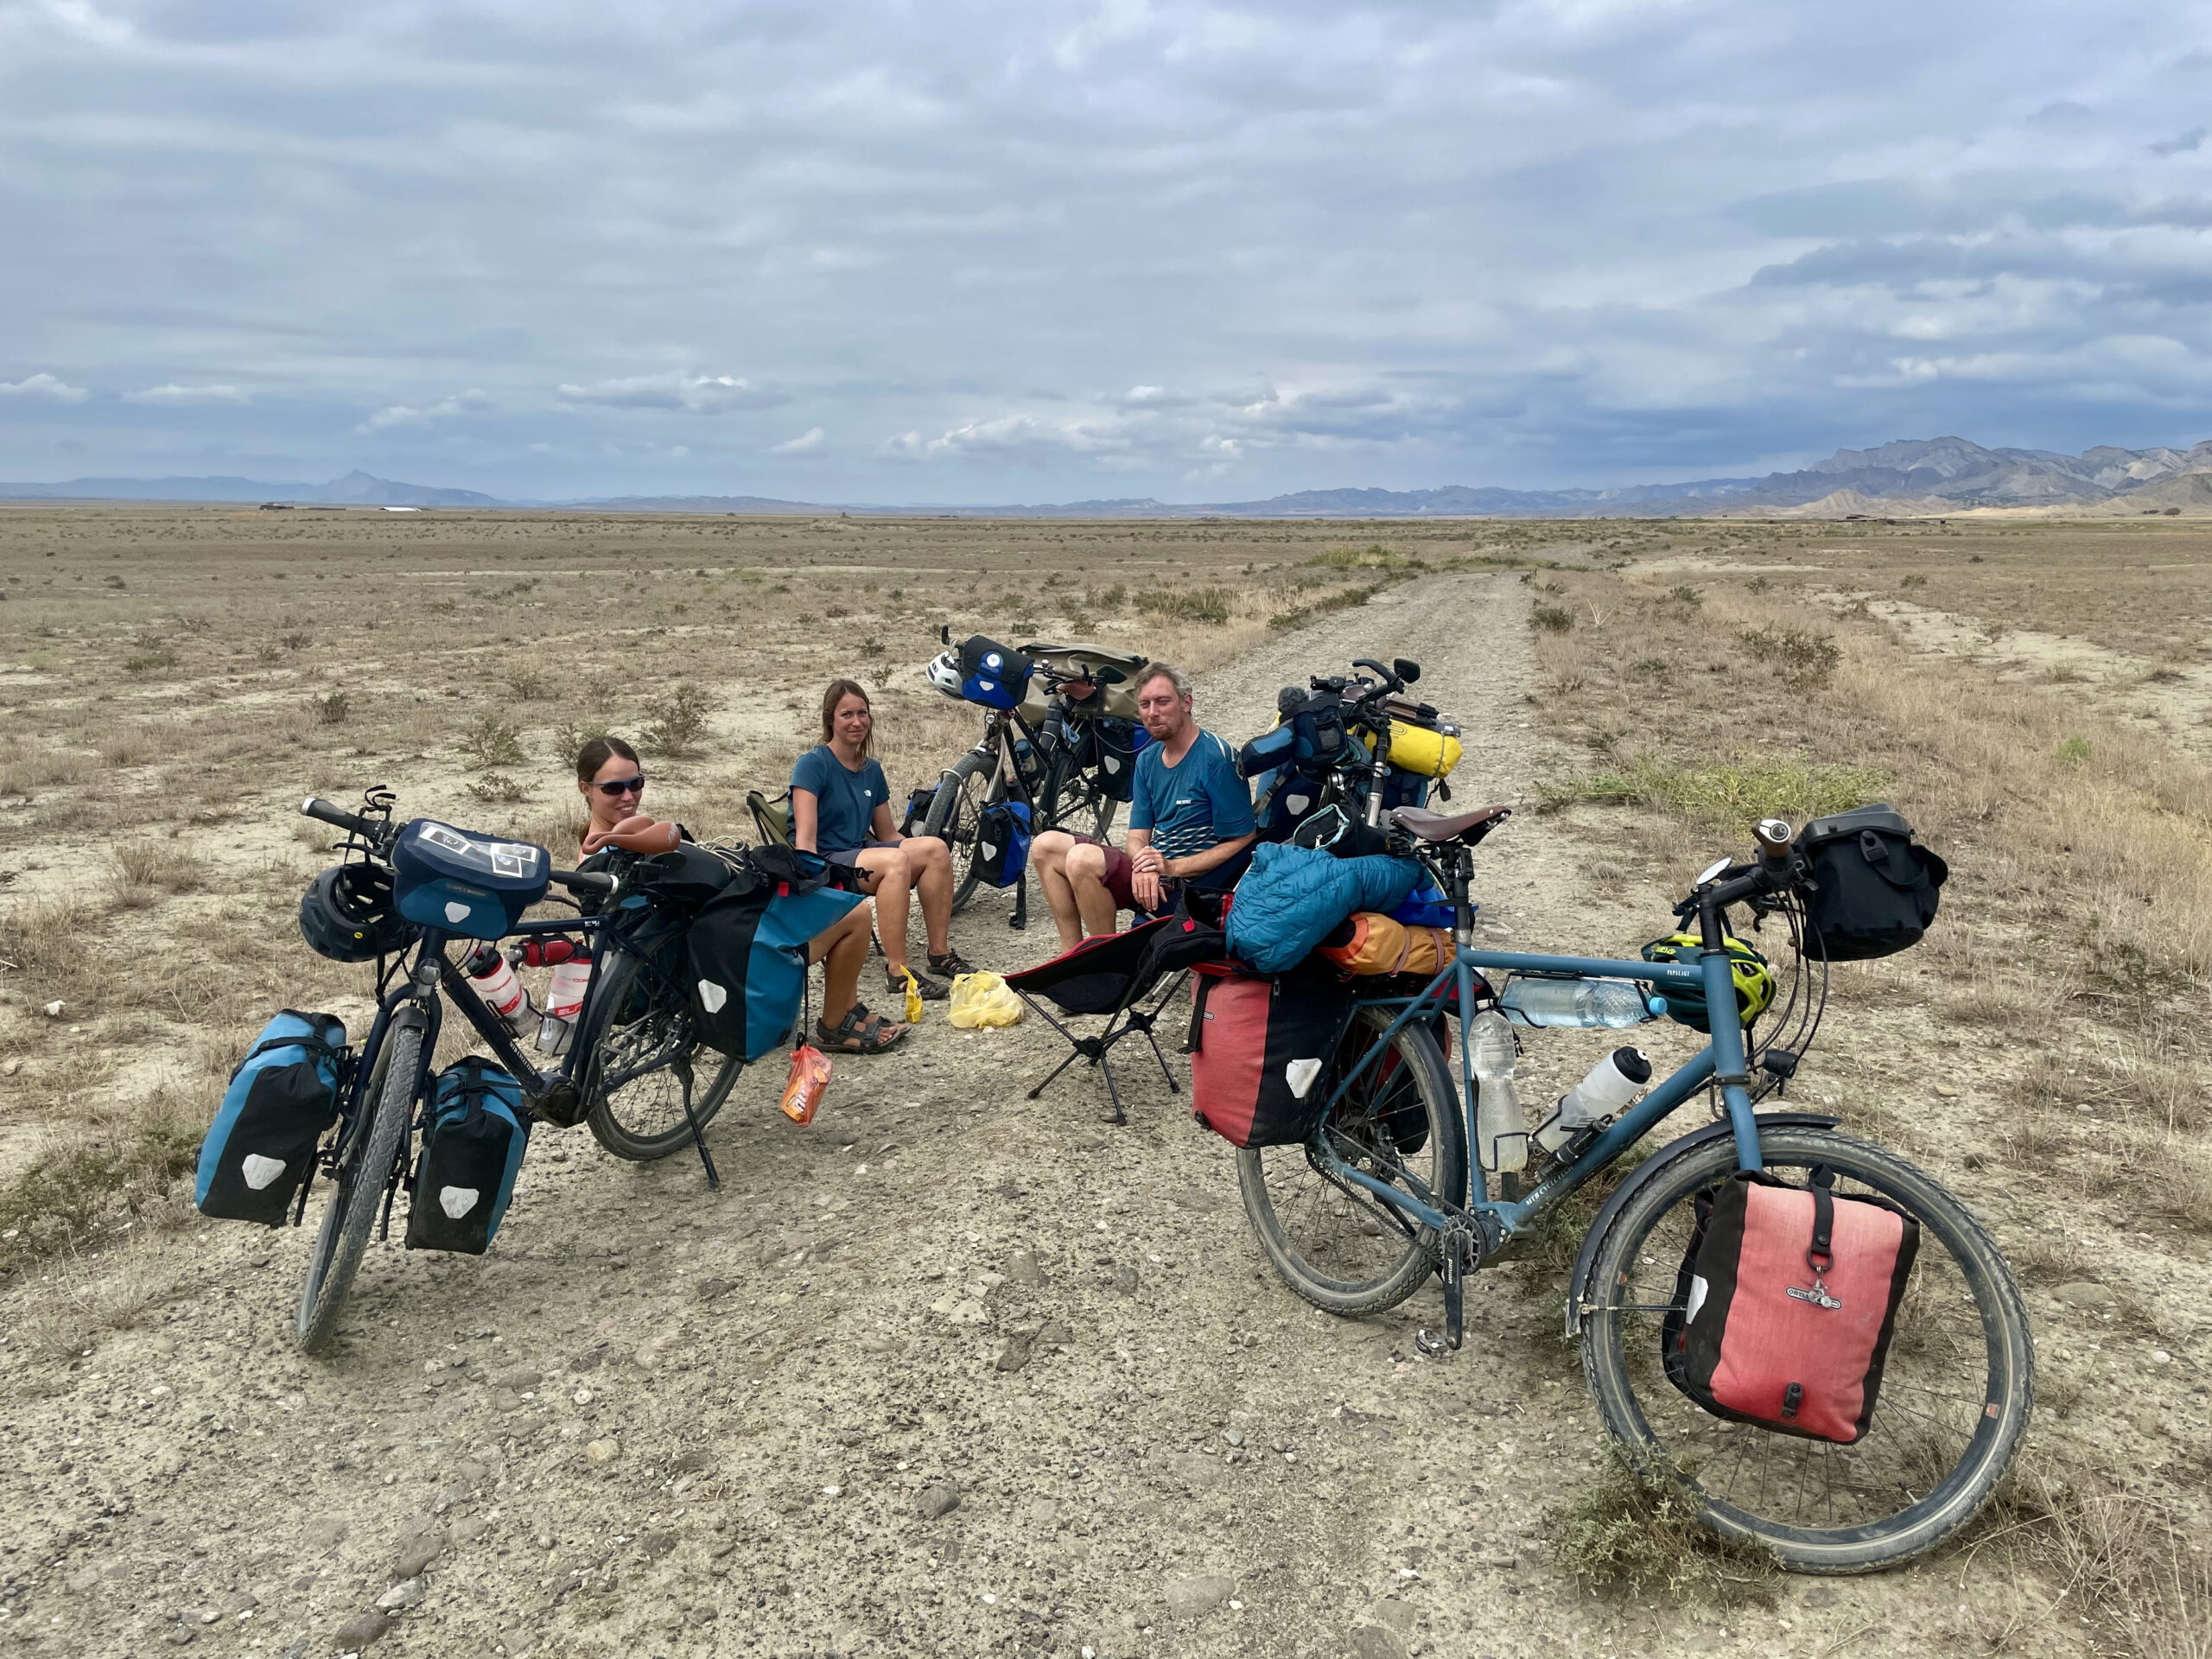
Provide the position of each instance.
(1459, 1253)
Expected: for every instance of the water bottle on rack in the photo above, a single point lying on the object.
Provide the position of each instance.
(1608, 1003)
(1501, 1132)
(1597, 1099)
(492, 976)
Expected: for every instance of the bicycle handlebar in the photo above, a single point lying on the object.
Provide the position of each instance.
(585, 880)
(369, 829)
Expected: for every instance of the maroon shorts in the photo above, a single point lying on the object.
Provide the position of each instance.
(1118, 872)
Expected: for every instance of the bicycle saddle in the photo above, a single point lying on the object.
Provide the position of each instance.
(1470, 827)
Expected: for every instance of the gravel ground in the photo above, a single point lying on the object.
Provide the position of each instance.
(948, 1372)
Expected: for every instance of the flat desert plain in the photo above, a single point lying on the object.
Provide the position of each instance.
(951, 1371)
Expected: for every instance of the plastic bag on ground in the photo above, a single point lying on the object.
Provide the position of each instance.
(982, 1001)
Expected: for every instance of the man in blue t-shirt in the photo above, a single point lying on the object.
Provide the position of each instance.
(1189, 821)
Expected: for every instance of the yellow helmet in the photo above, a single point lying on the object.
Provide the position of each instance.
(1754, 979)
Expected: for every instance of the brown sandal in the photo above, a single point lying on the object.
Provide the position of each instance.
(860, 1033)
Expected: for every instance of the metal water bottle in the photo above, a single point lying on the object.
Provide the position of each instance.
(1501, 1132)
(1612, 1082)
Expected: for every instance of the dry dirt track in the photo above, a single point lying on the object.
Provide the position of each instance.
(948, 1373)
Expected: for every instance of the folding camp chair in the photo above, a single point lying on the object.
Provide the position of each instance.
(1116, 975)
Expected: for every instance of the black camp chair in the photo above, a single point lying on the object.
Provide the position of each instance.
(1120, 975)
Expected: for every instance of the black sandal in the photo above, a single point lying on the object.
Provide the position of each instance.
(950, 965)
(860, 1033)
(926, 988)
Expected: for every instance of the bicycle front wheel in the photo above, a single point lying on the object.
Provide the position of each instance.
(1955, 1392)
(956, 816)
(364, 1169)
(1333, 1242)
(641, 1060)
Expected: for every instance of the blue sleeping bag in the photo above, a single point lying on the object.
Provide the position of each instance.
(1292, 896)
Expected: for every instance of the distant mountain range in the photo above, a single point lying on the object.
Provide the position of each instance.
(1912, 476)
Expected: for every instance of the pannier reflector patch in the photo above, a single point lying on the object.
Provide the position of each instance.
(1297, 803)
(1697, 1297)
(458, 1201)
(260, 1171)
(1300, 1074)
(989, 851)
(456, 912)
(713, 995)
(1113, 763)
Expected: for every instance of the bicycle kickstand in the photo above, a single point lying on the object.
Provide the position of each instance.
(1020, 920)
(699, 1139)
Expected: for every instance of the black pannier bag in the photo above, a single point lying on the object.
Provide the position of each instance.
(1785, 1304)
(282, 1099)
(1876, 887)
(1118, 743)
(745, 962)
(472, 1152)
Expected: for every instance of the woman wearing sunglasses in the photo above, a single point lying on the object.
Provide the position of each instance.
(612, 780)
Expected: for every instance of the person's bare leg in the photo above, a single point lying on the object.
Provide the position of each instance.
(1086, 876)
(929, 865)
(1049, 852)
(893, 888)
(843, 951)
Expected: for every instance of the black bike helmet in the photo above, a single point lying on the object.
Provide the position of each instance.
(346, 914)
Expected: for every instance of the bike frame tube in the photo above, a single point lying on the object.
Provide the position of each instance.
(1723, 1056)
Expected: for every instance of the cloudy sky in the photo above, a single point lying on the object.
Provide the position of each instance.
(956, 251)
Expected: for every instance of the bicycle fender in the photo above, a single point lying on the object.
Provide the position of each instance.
(1579, 1281)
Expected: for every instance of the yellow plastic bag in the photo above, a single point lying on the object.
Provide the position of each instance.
(913, 998)
(980, 1001)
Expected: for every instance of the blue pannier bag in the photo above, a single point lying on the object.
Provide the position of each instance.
(993, 675)
(472, 1152)
(470, 885)
(745, 954)
(1002, 842)
(281, 1101)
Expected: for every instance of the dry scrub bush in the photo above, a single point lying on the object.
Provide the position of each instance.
(1629, 1532)
(114, 1160)
(166, 865)
(45, 941)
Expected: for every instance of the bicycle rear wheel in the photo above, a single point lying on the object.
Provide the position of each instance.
(1337, 1245)
(641, 1059)
(364, 1168)
(955, 817)
(1955, 1392)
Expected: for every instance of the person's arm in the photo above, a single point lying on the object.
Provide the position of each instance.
(1219, 854)
(803, 808)
(881, 827)
(1142, 856)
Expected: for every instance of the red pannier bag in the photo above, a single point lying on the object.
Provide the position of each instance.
(1787, 1297)
(1258, 1049)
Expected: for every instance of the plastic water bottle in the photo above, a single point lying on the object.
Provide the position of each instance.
(564, 1000)
(1501, 1132)
(1612, 1082)
(492, 978)
(1611, 1002)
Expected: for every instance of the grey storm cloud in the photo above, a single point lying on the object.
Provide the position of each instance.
(851, 249)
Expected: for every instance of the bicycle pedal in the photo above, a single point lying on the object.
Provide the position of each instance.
(1429, 1346)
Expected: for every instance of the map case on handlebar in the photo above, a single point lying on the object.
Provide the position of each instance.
(467, 884)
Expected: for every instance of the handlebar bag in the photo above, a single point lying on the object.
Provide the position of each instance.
(745, 954)
(472, 1152)
(1785, 1305)
(1002, 842)
(1876, 888)
(282, 1099)
(467, 884)
(1317, 723)
(1117, 744)
(1270, 749)
(991, 674)
(1259, 1046)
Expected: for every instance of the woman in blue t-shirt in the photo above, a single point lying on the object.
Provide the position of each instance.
(840, 808)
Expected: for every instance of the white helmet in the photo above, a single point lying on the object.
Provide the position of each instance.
(944, 674)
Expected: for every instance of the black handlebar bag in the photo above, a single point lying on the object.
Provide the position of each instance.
(1876, 887)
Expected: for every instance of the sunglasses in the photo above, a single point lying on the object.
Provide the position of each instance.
(623, 785)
